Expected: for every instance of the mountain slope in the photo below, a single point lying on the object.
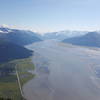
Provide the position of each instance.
(90, 39)
(10, 51)
(19, 37)
(61, 35)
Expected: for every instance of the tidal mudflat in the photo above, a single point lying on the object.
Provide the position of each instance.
(64, 72)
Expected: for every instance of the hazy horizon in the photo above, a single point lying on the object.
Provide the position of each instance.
(51, 15)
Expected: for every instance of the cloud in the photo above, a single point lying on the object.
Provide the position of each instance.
(4, 25)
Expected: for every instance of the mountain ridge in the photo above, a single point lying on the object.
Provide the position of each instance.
(90, 39)
(10, 51)
(20, 37)
(61, 35)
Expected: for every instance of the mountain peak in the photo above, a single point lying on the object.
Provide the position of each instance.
(90, 39)
(20, 37)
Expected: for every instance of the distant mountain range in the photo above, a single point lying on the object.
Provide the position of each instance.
(20, 37)
(10, 51)
(12, 41)
(63, 35)
(90, 39)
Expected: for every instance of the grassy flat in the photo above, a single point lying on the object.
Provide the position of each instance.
(9, 87)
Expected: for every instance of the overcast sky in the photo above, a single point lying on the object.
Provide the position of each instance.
(51, 15)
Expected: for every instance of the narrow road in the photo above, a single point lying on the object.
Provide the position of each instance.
(63, 72)
(19, 83)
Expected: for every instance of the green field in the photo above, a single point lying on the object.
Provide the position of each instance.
(9, 87)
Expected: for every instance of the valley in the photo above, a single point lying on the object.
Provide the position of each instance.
(63, 71)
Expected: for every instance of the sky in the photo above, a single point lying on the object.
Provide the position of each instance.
(51, 15)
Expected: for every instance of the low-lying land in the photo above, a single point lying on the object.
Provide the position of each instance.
(9, 86)
(74, 72)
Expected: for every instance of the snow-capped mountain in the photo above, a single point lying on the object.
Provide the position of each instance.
(20, 37)
(63, 34)
(5, 30)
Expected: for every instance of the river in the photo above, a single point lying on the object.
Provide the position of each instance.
(64, 72)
